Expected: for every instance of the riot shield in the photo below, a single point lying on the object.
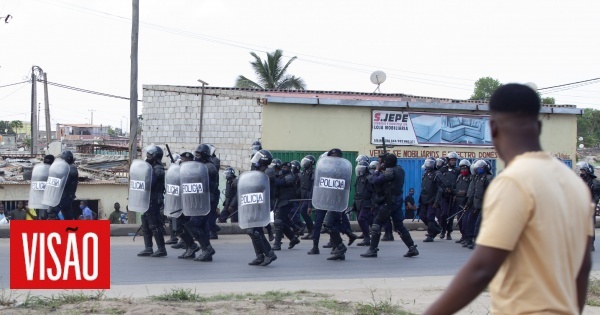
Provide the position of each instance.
(140, 182)
(57, 179)
(173, 195)
(254, 200)
(39, 177)
(331, 190)
(195, 192)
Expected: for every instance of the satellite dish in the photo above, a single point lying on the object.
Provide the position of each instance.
(581, 145)
(532, 85)
(580, 138)
(377, 78)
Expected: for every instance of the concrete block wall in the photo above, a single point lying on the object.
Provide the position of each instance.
(232, 120)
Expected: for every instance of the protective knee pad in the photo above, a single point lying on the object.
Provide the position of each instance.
(375, 229)
(278, 223)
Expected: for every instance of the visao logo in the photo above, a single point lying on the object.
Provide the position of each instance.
(60, 254)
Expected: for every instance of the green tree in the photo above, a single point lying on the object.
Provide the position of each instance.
(111, 131)
(270, 73)
(16, 125)
(484, 87)
(588, 127)
(5, 127)
(548, 101)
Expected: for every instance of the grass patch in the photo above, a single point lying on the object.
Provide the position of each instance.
(380, 308)
(6, 299)
(593, 294)
(56, 301)
(178, 295)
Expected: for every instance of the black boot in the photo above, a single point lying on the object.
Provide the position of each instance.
(360, 237)
(148, 246)
(270, 233)
(206, 254)
(351, 236)
(429, 239)
(258, 251)
(278, 229)
(443, 233)
(365, 242)
(160, 243)
(179, 245)
(314, 250)
(269, 258)
(467, 242)
(462, 238)
(387, 237)
(172, 241)
(339, 253)
(328, 245)
(293, 242)
(190, 252)
(412, 251)
(372, 251)
(448, 237)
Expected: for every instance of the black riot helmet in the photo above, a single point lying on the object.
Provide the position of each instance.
(429, 164)
(229, 173)
(362, 158)
(586, 170)
(439, 163)
(334, 152)
(154, 152)
(361, 168)
(276, 164)
(202, 153)
(464, 163)
(255, 147)
(262, 158)
(450, 157)
(373, 165)
(67, 156)
(49, 159)
(308, 161)
(295, 166)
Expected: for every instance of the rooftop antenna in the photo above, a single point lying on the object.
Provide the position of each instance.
(377, 78)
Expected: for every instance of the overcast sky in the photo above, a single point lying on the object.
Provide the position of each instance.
(426, 48)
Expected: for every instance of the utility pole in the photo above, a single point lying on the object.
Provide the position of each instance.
(47, 107)
(34, 112)
(201, 111)
(133, 97)
(92, 118)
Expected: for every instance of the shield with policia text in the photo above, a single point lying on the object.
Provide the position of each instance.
(331, 188)
(55, 184)
(254, 200)
(173, 192)
(140, 182)
(39, 177)
(195, 193)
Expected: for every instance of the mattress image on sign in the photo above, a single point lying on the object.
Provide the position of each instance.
(426, 126)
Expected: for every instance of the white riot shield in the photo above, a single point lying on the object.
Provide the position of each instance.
(254, 200)
(39, 177)
(55, 185)
(195, 191)
(140, 182)
(331, 190)
(173, 195)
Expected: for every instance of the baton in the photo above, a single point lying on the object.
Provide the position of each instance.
(450, 218)
(136, 233)
(170, 155)
(175, 211)
(300, 199)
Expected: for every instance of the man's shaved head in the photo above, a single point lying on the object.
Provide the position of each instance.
(515, 99)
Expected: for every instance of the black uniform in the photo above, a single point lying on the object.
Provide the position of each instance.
(285, 189)
(460, 192)
(306, 178)
(152, 223)
(447, 179)
(230, 205)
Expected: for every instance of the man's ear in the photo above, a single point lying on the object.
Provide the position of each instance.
(493, 128)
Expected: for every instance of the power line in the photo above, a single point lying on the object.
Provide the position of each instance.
(85, 91)
(2, 86)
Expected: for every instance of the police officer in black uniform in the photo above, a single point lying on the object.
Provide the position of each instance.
(213, 228)
(307, 178)
(447, 175)
(479, 183)
(285, 187)
(390, 176)
(68, 195)
(152, 224)
(231, 203)
(264, 253)
(363, 192)
(428, 202)
(186, 240)
(587, 174)
(460, 196)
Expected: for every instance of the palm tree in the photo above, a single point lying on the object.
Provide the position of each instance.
(15, 125)
(270, 74)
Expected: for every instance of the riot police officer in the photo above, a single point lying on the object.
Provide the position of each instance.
(307, 178)
(285, 189)
(68, 194)
(333, 222)
(295, 214)
(460, 196)
(264, 253)
(213, 228)
(363, 192)
(186, 240)
(392, 181)
(428, 201)
(479, 183)
(448, 173)
(587, 174)
(231, 203)
(152, 225)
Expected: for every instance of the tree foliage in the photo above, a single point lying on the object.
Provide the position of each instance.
(588, 127)
(271, 74)
(16, 125)
(5, 127)
(484, 87)
(548, 101)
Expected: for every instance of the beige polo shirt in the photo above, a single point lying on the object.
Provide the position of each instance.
(540, 211)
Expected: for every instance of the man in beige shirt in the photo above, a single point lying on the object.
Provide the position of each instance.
(533, 248)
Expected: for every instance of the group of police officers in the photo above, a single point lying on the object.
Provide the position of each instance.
(188, 194)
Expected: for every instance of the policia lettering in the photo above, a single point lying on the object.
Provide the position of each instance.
(332, 183)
